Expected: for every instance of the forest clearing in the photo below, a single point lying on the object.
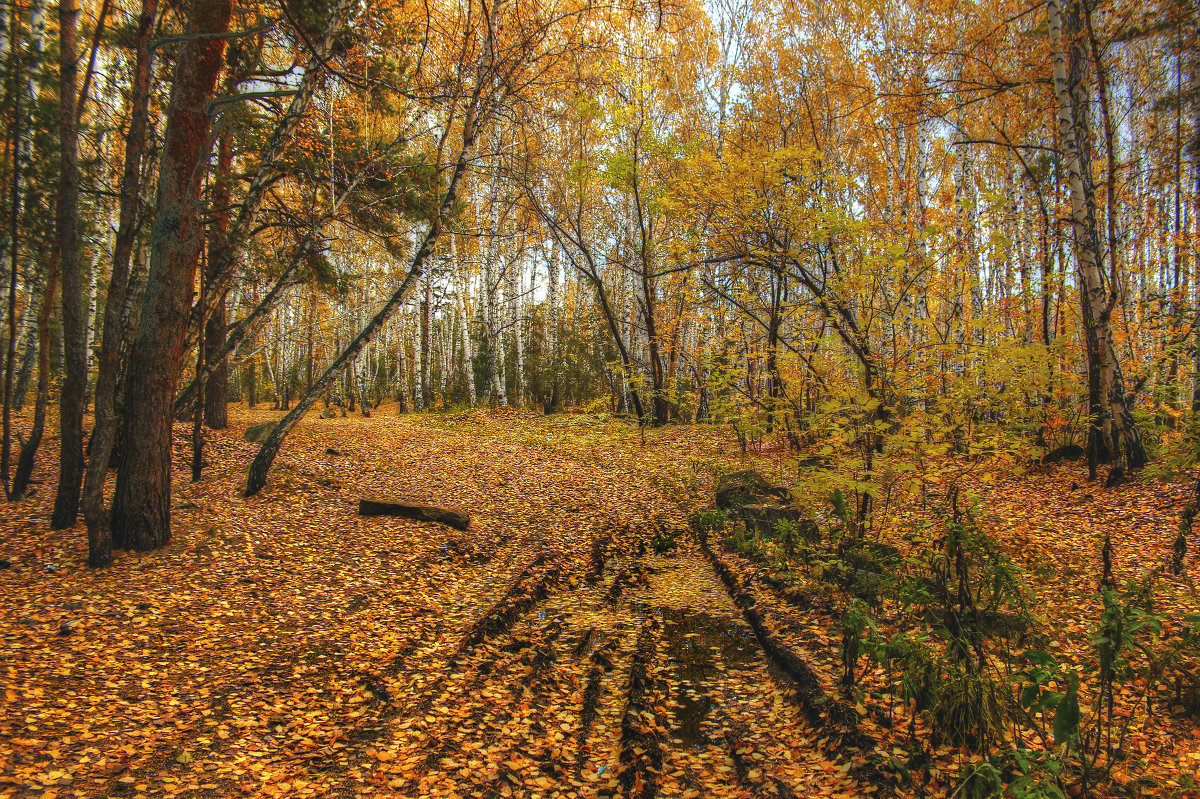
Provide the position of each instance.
(283, 645)
(598, 398)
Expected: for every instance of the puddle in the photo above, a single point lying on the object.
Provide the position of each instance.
(696, 644)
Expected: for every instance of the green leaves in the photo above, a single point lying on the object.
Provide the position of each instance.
(1066, 717)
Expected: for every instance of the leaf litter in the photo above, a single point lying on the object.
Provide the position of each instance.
(285, 646)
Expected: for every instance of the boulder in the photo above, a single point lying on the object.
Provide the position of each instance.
(329, 413)
(258, 433)
(747, 488)
(752, 499)
(411, 509)
(766, 518)
(1070, 452)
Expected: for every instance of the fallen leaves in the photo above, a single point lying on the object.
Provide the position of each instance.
(285, 646)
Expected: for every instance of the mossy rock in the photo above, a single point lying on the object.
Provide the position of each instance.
(737, 489)
(258, 433)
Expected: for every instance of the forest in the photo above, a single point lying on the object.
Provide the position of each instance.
(596, 398)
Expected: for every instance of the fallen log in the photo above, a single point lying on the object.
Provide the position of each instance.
(409, 509)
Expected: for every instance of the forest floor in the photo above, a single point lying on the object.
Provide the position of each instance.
(284, 645)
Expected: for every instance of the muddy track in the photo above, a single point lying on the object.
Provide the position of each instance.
(643, 683)
(617, 672)
(825, 711)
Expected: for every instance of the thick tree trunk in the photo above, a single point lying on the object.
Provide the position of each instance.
(491, 310)
(104, 431)
(74, 387)
(141, 516)
(1115, 422)
(491, 334)
(465, 332)
(402, 372)
(216, 376)
(515, 313)
(1194, 151)
(28, 358)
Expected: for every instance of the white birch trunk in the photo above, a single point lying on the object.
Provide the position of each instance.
(462, 289)
(1071, 91)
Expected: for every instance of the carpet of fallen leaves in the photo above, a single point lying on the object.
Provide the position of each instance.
(285, 646)
(1050, 519)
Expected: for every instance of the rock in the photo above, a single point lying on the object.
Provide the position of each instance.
(766, 517)
(751, 498)
(410, 509)
(68, 627)
(747, 488)
(329, 413)
(1070, 452)
(258, 433)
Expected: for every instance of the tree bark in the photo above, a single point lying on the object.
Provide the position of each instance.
(464, 321)
(141, 516)
(215, 377)
(425, 390)
(553, 396)
(29, 448)
(268, 171)
(1111, 418)
(74, 387)
(104, 430)
(11, 350)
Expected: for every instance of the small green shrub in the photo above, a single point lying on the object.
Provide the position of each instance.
(664, 542)
(711, 520)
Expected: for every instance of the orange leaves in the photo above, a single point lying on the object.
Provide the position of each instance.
(358, 658)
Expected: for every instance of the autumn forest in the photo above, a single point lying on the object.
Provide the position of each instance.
(598, 398)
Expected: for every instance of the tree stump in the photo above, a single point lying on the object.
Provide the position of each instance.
(411, 509)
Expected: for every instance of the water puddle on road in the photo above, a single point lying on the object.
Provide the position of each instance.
(700, 648)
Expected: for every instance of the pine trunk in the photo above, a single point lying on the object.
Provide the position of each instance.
(104, 430)
(74, 387)
(141, 516)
